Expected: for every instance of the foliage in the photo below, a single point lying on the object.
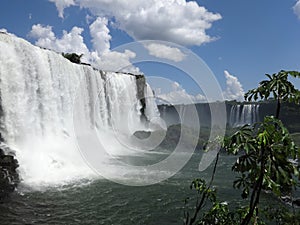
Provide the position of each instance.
(73, 57)
(296, 138)
(268, 143)
(266, 150)
(218, 212)
(265, 153)
(278, 86)
(204, 193)
(264, 162)
(281, 215)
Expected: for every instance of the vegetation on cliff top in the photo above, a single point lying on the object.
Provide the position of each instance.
(73, 57)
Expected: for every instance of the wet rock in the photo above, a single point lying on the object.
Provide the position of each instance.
(141, 85)
(142, 134)
(9, 177)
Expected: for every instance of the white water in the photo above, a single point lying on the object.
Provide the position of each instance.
(244, 114)
(38, 89)
(152, 112)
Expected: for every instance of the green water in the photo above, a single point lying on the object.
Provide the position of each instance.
(104, 202)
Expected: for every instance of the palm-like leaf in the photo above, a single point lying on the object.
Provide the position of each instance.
(278, 86)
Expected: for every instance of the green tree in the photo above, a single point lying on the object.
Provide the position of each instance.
(277, 86)
(265, 152)
(204, 193)
(264, 162)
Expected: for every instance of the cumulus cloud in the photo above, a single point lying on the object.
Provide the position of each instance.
(72, 42)
(61, 5)
(178, 95)
(100, 35)
(43, 32)
(171, 92)
(296, 9)
(234, 89)
(102, 56)
(177, 21)
(165, 52)
(115, 61)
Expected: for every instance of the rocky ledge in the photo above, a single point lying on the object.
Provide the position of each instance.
(9, 177)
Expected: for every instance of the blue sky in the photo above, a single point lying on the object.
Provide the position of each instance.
(245, 38)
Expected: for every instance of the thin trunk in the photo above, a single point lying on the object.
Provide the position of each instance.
(256, 192)
(204, 195)
(278, 108)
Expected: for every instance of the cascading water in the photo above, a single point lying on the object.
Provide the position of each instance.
(38, 88)
(152, 112)
(244, 114)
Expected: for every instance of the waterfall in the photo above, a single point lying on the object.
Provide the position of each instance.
(244, 114)
(152, 112)
(38, 88)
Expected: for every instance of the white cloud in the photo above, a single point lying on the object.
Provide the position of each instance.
(100, 35)
(42, 32)
(70, 41)
(296, 9)
(170, 92)
(177, 21)
(177, 95)
(61, 5)
(115, 61)
(234, 89)
(100, 56)
(165, 52)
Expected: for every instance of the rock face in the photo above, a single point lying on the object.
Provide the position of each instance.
(238, 113)
(141, 85)
(9, 177)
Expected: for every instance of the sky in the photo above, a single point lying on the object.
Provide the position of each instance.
(239, 41)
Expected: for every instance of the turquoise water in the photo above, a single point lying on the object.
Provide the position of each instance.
(104, 202)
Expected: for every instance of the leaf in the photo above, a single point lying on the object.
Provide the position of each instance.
(245, 193)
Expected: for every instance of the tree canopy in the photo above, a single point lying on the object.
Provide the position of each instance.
(278, 86)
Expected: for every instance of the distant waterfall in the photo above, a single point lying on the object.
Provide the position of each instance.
(37, 93)
(244, 114)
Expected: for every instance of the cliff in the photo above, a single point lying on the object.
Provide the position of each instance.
(238, 113)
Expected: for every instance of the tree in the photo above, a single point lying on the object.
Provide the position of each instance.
(264, 150)
(204, 192)
(279, 87)
(265, 163)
